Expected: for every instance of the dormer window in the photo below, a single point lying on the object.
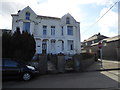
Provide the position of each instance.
(67, 20)
(27, 16)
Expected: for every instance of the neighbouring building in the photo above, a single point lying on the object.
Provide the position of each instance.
(5, 30)
(94, 39)
(52, 35)
(110, 48)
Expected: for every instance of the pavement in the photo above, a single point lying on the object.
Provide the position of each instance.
(104, 65)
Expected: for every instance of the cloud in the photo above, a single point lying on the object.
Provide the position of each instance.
(6, 9)
(5, 22)
(9, 7)
(108, 22)
(57, 8)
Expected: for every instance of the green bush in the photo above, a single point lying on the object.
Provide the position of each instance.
(86, 55)
(69, 63)
(83, 56)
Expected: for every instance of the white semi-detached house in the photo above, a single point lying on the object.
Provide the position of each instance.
(52, 35)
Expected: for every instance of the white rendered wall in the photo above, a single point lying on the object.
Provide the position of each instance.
(36, 28)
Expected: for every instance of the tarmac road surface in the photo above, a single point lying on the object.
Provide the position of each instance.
(102, 79)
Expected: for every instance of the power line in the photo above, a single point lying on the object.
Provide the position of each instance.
(104, 14)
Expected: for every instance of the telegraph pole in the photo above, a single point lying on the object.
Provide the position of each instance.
(100, 48)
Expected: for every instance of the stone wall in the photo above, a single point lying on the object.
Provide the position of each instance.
(79, 62)
(61, 63)
(109, 52)
(53, 59)
(83, 61)
(43, 67)
(86, 63)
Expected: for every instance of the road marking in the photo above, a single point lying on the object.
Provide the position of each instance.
(112, 75)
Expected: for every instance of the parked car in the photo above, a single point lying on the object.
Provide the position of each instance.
(16, 69)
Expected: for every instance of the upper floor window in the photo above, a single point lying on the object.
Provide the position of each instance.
(62, 31)
(67, 20)
(26, 26)
(52, 30)
(27, 16)
(69, 30)
(44, 30)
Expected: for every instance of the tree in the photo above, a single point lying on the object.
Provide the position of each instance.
(20, 46)
(28, 45)
(16, 42)
(7, 48)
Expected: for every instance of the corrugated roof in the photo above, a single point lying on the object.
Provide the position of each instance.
(112, 38)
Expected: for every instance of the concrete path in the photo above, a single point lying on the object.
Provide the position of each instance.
(104, 65)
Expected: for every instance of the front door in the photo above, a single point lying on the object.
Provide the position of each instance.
(44, 48)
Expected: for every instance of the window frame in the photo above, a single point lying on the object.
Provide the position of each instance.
(62, 45)
(52, 30)
(62, 33)
(44, 30)
(67, 20)
(27, 15)
(70, 30)
(53, 45)
(26, 26)
(70, 45)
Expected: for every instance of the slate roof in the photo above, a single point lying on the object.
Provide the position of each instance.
(94, 37)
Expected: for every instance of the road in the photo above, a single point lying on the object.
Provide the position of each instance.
(103, 79)
(89, 79)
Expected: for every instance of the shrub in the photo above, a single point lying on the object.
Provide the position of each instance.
(86, 55)
(83, 56)
(69, 63)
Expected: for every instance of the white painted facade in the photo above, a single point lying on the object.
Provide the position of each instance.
(56, 38)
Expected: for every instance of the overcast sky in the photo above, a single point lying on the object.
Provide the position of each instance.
(87, 12)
